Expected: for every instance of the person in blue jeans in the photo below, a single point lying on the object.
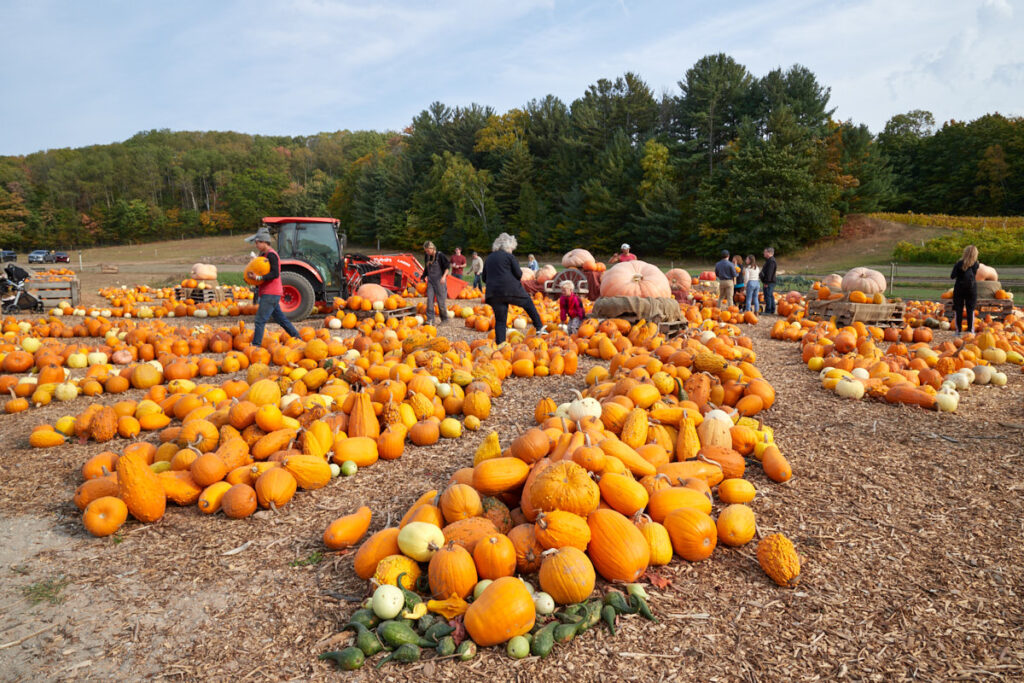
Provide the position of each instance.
(751, 276)
(270, 290)
(768, 280)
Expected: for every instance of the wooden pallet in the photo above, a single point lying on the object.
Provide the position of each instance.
(993, 307)
(206, 295)
(393, 313)
(52, 292)
(673, 328)
(847, 313)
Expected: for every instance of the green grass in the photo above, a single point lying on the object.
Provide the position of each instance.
(314, 558)
(46, 591)
(231, 278)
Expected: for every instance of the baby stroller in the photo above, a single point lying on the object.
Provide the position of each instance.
(13, 296)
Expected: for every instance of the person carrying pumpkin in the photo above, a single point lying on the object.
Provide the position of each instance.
(503, 278)
(435, 267)
(270, 290)
(965, 288)
(725, 273)
(570, 307)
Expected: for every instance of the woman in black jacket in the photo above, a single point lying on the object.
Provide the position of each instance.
(503, 279)
(965, 288)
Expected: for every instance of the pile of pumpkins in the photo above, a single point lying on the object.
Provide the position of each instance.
(618, 479)
(420, 289)
(144, 302)
(911, 369)
(352, 401)
(481, 316)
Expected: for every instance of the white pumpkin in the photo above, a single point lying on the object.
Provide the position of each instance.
(947, 402)
(97, 358)
(543, 603)
(583, 407)
(335, 324)
(850, 388)
(388, 601)
(998, 379)
(65, 391)
(720, 415)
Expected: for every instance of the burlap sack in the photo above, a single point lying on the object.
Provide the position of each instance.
(655, 310)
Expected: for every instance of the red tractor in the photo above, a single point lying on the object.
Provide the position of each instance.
(315, 267)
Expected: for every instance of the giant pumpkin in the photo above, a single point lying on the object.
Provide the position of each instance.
(863, 280)
(635, 278)
(578, 258)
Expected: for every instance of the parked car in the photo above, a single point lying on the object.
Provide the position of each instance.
(8, 255)
(40, 256)
(61, 257)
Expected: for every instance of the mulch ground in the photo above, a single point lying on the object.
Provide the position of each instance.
(909, 522)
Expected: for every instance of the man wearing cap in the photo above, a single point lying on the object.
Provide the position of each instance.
(270, 290)
(623, 256)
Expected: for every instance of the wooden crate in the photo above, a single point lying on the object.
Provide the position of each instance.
(52, 292)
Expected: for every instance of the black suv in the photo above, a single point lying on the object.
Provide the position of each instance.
(8, 255)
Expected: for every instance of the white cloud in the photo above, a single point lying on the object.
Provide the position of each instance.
(103, 71)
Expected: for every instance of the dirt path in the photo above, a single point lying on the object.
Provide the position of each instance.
(911, 541)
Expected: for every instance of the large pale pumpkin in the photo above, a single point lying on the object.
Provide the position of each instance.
(679, 279)
(863, 280)
(986, 274)
(635, 278)
(578, 258)
(546, 273)
(372, 292)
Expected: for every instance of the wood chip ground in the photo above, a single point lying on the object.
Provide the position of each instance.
(910, 524)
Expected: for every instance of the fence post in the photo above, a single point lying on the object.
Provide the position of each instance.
(892, 276)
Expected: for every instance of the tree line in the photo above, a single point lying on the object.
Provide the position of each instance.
(732, 161)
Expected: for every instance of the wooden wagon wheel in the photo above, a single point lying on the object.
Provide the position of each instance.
(573, 275)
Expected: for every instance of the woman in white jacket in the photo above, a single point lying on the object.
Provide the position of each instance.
(752, 276)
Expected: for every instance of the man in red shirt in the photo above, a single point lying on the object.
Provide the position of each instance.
(623, 256)
(457, 262)
(270, 290)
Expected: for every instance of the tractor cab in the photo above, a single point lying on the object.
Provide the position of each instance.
(311, 252)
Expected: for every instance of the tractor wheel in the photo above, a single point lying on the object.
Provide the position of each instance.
(298, 299)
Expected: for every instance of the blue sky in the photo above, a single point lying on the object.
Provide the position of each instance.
(81, 72)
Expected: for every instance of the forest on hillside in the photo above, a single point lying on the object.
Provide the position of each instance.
(732, 161)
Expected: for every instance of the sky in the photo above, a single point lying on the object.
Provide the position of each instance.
(82, 72)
